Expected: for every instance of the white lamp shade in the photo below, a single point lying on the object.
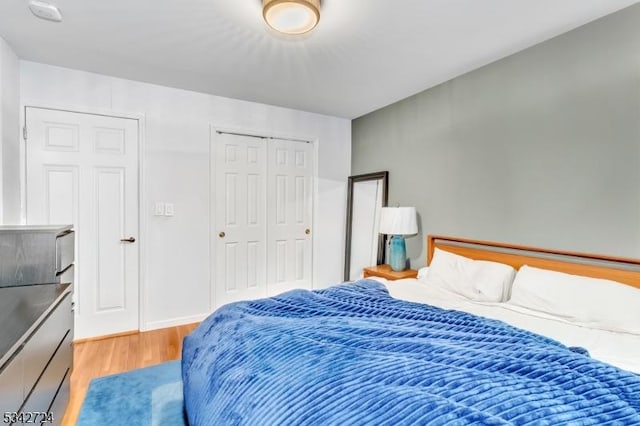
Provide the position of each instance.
(398, 221)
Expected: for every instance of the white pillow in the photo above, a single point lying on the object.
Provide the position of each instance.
(478, 280)
(422, 272)
(592, 302)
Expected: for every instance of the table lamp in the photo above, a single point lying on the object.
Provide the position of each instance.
(398, 222)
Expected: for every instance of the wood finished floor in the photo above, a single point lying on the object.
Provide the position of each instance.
(113, 355)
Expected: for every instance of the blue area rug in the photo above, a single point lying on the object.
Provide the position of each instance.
(148, 396)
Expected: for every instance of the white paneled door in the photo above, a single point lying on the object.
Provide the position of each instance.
(262, 204)
(240, 222)
(83, 169)
(289, 192)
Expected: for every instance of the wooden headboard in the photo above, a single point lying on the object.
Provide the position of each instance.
(624, 270)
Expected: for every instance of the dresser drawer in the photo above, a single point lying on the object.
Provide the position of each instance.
(37, 351)
(65, 250)
(66, 277)
(59, 404)
(44, 392)
(11, 395)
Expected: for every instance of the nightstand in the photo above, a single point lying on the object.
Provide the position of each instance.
(385, 271)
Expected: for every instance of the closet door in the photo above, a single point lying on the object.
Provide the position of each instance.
(240, 230)
(289, 215)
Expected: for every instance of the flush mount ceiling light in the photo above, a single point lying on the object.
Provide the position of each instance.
(291, 16)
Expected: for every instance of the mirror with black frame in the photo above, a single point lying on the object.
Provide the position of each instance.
(364, 245)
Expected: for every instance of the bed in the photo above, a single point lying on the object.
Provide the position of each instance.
(355, 354)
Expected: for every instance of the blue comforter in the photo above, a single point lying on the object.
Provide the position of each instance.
(351, 354)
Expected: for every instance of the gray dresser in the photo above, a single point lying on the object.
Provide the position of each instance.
(36, 321)
(35, 254)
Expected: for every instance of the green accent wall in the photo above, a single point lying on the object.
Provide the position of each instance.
(540, 148)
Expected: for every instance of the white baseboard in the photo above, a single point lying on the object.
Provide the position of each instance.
(154, 325)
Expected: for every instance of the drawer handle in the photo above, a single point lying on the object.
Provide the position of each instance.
(128, 240)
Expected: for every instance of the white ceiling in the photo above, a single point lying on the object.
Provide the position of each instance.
(363, 55)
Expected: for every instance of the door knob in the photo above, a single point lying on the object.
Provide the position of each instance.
(307, 231)
(128, 240)
(222, 234)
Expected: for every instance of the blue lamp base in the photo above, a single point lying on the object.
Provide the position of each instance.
(397, 253)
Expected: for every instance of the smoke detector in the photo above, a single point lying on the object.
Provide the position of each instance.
(45, 11)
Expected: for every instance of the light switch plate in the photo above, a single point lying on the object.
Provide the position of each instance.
(168, 209)
(158, 209)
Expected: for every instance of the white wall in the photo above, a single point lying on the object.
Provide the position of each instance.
(175, 262)
(9, 136)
